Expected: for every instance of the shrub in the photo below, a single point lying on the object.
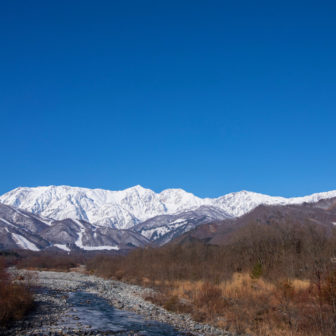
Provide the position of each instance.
(15, 299)
(56, 262)
(256, 271)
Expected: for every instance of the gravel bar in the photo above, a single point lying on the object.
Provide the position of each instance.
(51, 297)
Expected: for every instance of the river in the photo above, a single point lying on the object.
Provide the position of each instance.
(72, 303)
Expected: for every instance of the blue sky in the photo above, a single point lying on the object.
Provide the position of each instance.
(209, 96)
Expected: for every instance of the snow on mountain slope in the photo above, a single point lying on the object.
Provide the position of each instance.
(242, 202)
(22, 230)
(163, 228)
(239, 203)
(126, 208)
(118, 209)
(24, 243)
(19, 229)
(177, 200)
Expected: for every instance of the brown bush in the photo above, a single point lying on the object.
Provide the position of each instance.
(210, 300)
(15, 299)
(170, 302)
(50, 261)
(328, 290)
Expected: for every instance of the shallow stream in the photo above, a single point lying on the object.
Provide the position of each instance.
(90, 312)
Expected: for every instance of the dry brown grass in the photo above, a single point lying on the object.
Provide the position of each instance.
(254, 306)
(299, 284)
(15, 298)
(239, 283)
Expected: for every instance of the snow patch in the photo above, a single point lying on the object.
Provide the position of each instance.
(24, 243)
(6, 222)
(162, 230)
(79, 241)
(62, 247)
(102, 247)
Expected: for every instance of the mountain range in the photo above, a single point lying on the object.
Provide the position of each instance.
(73, 218)
(321, 214)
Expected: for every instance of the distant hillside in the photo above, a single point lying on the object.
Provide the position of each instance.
(322, 213)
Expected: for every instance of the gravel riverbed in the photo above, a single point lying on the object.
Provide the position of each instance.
(55, 315)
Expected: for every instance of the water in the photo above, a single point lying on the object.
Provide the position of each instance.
(95, 313)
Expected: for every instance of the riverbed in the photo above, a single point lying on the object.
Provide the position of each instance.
(72, 303)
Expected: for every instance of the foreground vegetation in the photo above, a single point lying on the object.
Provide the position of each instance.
(15, 299)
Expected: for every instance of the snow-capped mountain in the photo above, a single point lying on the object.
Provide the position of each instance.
(126, 208)
(239, 203)
(19, 229)
(90, 219)
(117, 209)
(163, 228)
(22, 230)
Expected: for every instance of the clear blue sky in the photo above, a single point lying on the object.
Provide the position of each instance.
(209, 96)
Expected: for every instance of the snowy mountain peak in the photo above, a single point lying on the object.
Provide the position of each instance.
(126, 208)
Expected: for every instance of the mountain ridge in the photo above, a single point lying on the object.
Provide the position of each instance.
(95, 219)
(123, 209)
(23, 230)
(319, 214)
